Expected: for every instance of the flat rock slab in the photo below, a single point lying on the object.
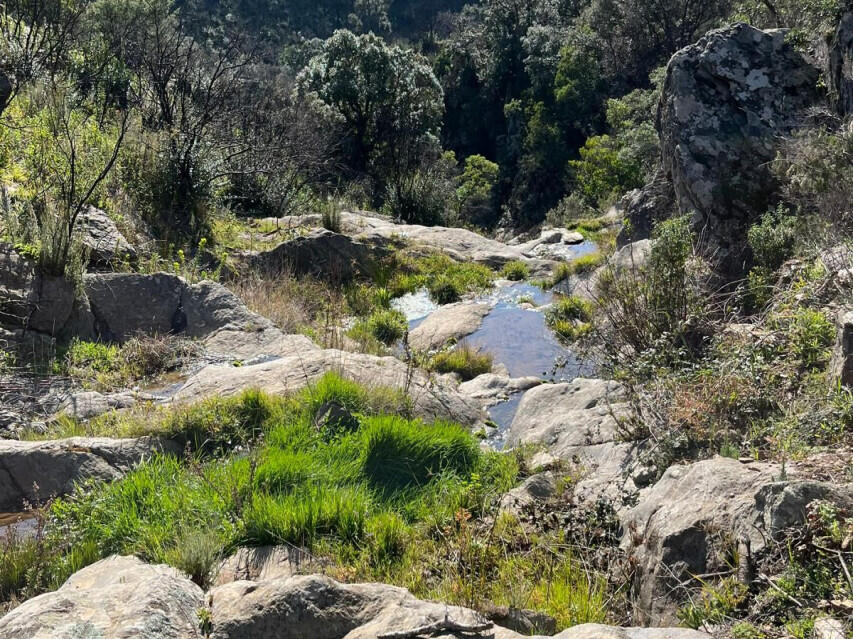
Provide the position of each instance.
(32, 472)
(432, 398)
(452, 322)
(115, 598)
(264, 563)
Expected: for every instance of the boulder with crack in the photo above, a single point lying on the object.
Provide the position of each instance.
(102, 239)
(680, 526)
(33, 471)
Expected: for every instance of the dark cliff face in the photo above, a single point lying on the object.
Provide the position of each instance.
(726, 103)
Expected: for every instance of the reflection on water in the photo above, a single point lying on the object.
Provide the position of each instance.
(19, 525)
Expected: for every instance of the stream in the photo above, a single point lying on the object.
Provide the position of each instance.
(516, 334)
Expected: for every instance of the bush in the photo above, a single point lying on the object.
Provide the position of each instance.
(515, 271)
(387, 326)
(465, 360)
(445, 290)
(772, 240)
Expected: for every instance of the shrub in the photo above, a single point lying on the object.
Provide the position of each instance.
(331, 216)
(465, 360)
(772, 240)
(515, 271)
(197, 553)
(387, 326)
(445, 290)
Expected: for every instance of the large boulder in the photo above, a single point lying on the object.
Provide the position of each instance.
(127, 304)
(115, 598)
(674, 531)
(33, 471)
(101, 238)
(30, 300)
(320, 253)
(431, 398)
(321, 608)
(578, 422)
(726, 102)
(17, 287)
(448, 323)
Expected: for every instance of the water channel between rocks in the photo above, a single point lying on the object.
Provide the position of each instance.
(516, 334)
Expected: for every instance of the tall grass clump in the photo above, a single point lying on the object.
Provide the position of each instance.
(465, 360)
(515, 271)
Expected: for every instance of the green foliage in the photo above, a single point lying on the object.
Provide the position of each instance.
(603, 171)
(717, 603)
(387, 98)
(385, 325)
(445, 279)
(515, 271)
(570, 317)
(475, 189)
(463, 359)
(773, 239)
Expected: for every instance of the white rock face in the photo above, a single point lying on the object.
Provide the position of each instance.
(671, 532)
(116, 598)
(493, 388)
(452, 322)
(576, 422)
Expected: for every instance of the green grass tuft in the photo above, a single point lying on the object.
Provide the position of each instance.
(464, 359)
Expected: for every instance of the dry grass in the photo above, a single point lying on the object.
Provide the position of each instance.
(294, 304)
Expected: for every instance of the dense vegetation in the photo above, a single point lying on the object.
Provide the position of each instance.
(176, 115)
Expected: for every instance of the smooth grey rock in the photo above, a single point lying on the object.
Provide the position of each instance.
(129, 304)
(599, 631)
(492, 388)
(452, 322)
(89, 404)
(432, 398)
(841, 366)
(115, 598)
(670, 534)
(536, 488)
(18, 296)
(209, 306)
(264, 563)
(53, 306)
(34, 471)
(577, 422)
(237, 344)
(828, 628)
(102, 239)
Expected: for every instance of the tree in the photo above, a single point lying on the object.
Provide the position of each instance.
(35, 36)
(388, 100)
(70, 154)
(474, 194)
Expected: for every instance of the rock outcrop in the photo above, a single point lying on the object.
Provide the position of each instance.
(841, 366)
(840, 66)
(452, 322)
(101, 238)
(122, 597)
(321, 253)
(726, 102)
(577, 422)
(431, 398)
(492, 388)
(677, 529)
(112, 599)
(33, 471)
